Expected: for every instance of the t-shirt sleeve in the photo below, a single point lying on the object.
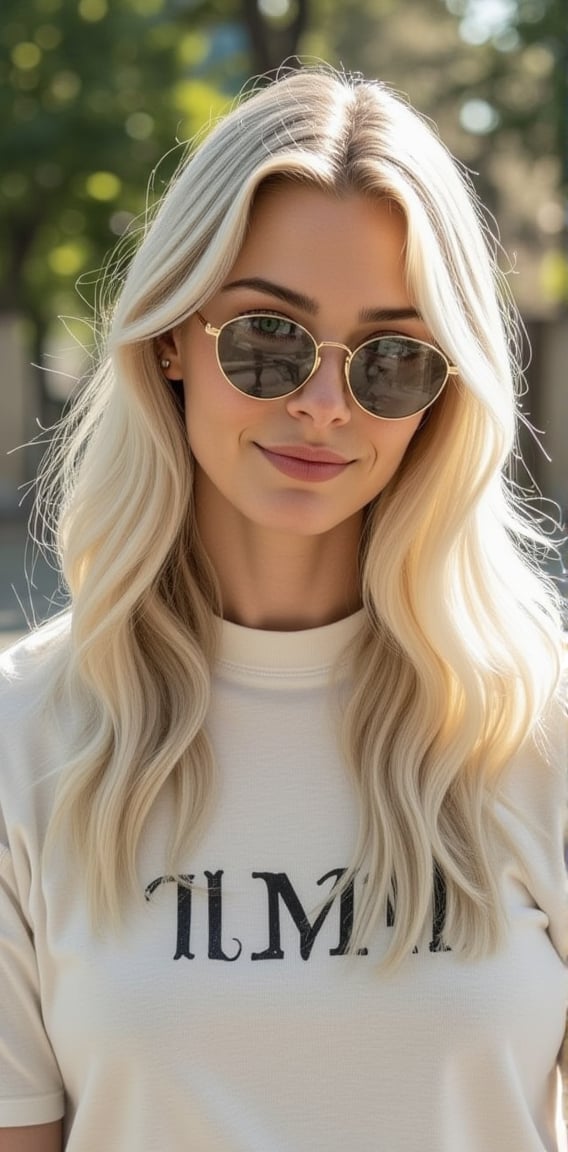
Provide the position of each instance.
(31, 1090)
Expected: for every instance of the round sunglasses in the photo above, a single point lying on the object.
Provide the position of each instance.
(267, 356)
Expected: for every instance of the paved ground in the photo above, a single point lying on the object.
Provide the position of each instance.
(28, 585)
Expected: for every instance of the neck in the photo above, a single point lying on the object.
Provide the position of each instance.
(280, 581)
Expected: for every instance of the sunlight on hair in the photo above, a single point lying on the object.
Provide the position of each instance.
(459, 657)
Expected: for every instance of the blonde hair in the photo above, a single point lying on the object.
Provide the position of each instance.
(459, 656)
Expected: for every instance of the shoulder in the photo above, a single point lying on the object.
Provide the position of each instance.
(533, 809)
(537, 775)
(26, 669)
(32, 713)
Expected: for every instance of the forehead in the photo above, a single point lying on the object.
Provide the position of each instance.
(350, 246)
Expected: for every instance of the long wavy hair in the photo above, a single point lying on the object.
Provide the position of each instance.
(458, 659)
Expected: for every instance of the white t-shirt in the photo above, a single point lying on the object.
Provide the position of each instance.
(228, 1018)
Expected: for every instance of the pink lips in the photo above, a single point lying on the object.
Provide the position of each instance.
(305, 462)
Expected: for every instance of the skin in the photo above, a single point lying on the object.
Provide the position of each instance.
(285, 550)
(36, 1138)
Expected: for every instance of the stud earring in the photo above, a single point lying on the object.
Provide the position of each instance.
(165, 363)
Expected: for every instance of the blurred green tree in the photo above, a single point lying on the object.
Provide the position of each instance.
(92, 94)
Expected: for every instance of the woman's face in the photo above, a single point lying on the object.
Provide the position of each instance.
(327, 263)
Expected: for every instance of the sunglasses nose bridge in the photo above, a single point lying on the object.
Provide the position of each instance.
(333, 344)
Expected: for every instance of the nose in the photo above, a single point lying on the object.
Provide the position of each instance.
(324, 398)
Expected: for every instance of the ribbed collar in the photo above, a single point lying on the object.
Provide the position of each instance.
(312, 649)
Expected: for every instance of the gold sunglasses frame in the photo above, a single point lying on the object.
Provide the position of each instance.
(210, 330)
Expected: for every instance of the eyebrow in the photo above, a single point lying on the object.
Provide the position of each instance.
(307, 304)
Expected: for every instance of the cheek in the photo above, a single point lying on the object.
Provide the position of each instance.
(215, 412)
(390, 440)
(207, 394)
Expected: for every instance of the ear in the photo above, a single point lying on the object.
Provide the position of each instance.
(167, 348)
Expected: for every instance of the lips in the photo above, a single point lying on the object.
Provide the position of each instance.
(304, 462)
(310, 453)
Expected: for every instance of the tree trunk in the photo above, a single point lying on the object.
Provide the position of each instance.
(273, 44)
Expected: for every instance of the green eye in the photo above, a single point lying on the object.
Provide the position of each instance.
(272, 326)
(268, 324)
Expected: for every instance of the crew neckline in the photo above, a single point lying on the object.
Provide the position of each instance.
(265, 651)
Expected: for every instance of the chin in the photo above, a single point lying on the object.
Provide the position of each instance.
(302, 519)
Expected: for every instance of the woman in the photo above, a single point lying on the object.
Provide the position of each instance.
(283, 797)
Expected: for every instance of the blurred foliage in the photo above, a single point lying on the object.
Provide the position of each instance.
(94, 92)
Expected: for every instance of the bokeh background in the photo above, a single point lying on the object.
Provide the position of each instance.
(98, 97)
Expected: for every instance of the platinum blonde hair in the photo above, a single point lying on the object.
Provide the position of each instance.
(459, 658)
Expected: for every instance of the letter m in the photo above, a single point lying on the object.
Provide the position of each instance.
(279, 888)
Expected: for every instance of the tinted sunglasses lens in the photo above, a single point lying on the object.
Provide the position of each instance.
(396, 376)
(265, 356)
